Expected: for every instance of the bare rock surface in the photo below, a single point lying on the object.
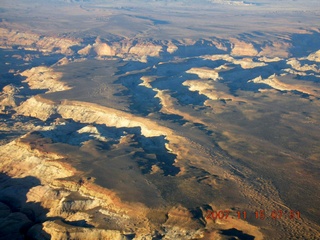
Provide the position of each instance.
(159, 120)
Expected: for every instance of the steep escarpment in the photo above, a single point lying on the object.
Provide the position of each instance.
(91, 113)
(158, 120)
(141, 48)
(44, 78)
(61, 206)
(211, 89)
(243, 48)
(288, 83)
(8, 97)
(11, 38)
(53, 200)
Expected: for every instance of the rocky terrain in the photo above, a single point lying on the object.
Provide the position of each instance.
(119, 121)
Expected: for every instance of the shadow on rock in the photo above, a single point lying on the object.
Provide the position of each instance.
(20, 219)
(236, 234)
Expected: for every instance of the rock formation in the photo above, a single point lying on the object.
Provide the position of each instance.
(183, 125)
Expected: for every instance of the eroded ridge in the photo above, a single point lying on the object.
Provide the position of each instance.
(130, 125)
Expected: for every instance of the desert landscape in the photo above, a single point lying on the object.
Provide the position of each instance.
(159, 119)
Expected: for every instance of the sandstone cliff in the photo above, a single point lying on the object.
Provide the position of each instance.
(31, 41)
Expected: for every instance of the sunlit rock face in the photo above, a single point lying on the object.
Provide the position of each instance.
(159, 119)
